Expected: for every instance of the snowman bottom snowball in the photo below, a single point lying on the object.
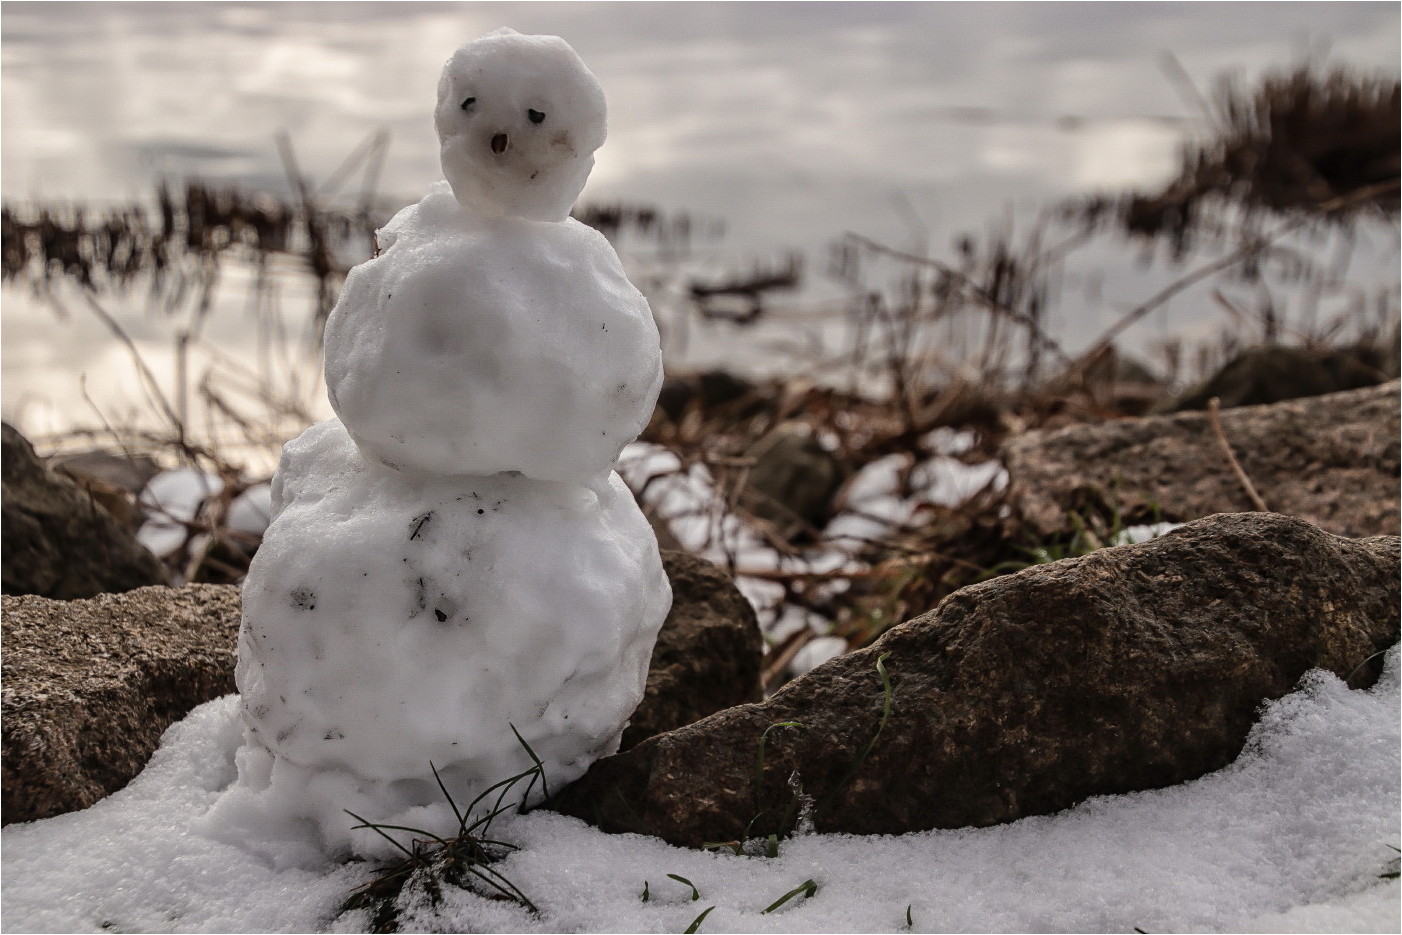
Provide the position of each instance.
(391, 623)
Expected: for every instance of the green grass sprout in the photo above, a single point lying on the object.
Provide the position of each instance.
(886, 706)
(695, 925)
(695, 893)
(806, 889)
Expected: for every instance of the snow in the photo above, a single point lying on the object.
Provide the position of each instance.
(885, 496)
(816, 652)
(173, 499)
(251, 511)
(493, 332)
(391, 623)
(455, 585)
(472, 346)
(1131, 535)
(1292, 836)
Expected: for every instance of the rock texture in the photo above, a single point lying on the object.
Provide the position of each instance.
(1129, 668)
(90, 685)
(1331, 460)
(58, 542)
(708, 655)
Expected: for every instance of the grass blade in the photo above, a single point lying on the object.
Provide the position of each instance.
(695, 925)
(505, 887)
(759, 762)
(695, 893)
(861, 757)
(462, 819)
(807, 888)
(535, 759)
(377, 829)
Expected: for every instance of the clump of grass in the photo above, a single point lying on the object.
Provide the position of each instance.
(1293, 141)
(464, 860)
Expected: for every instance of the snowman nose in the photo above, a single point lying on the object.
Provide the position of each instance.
(499, 143)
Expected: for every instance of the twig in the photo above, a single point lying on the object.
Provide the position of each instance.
(784, 654)
(148, 379)
(987, 300)
(1253, 247)
(1214, 419)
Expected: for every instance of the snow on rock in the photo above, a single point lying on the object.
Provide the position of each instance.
(1283, 839)
(391, 623)
(476, 345)
(174, 499)
(518, 119)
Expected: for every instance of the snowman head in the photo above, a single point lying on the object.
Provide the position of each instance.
(518, 119)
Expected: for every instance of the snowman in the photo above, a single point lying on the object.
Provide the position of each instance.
(453, 567)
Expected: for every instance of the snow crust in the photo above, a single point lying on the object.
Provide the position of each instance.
(1291, 837)
(475, 345)
(518, 120)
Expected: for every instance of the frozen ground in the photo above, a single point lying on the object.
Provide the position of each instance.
(1292, 837)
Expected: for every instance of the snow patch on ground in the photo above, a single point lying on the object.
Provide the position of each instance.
(1291, 837)
(174, 499)
(883, 497)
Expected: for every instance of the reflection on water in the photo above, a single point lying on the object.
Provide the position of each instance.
(792, 123)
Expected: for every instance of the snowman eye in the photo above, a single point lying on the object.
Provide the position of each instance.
(535, 115)
(467, 104)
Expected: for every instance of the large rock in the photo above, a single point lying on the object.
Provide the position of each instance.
(57, 541)
(1129, 668)
(1331, 460)
(89, 685)
(708, 654)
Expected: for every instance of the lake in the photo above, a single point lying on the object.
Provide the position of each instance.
(789, 124)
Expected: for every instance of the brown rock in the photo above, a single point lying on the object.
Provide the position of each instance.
(708, 655)
(1331, 460)
(57, 541)
(113, 480)
(1129, 668)
(90, 685)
